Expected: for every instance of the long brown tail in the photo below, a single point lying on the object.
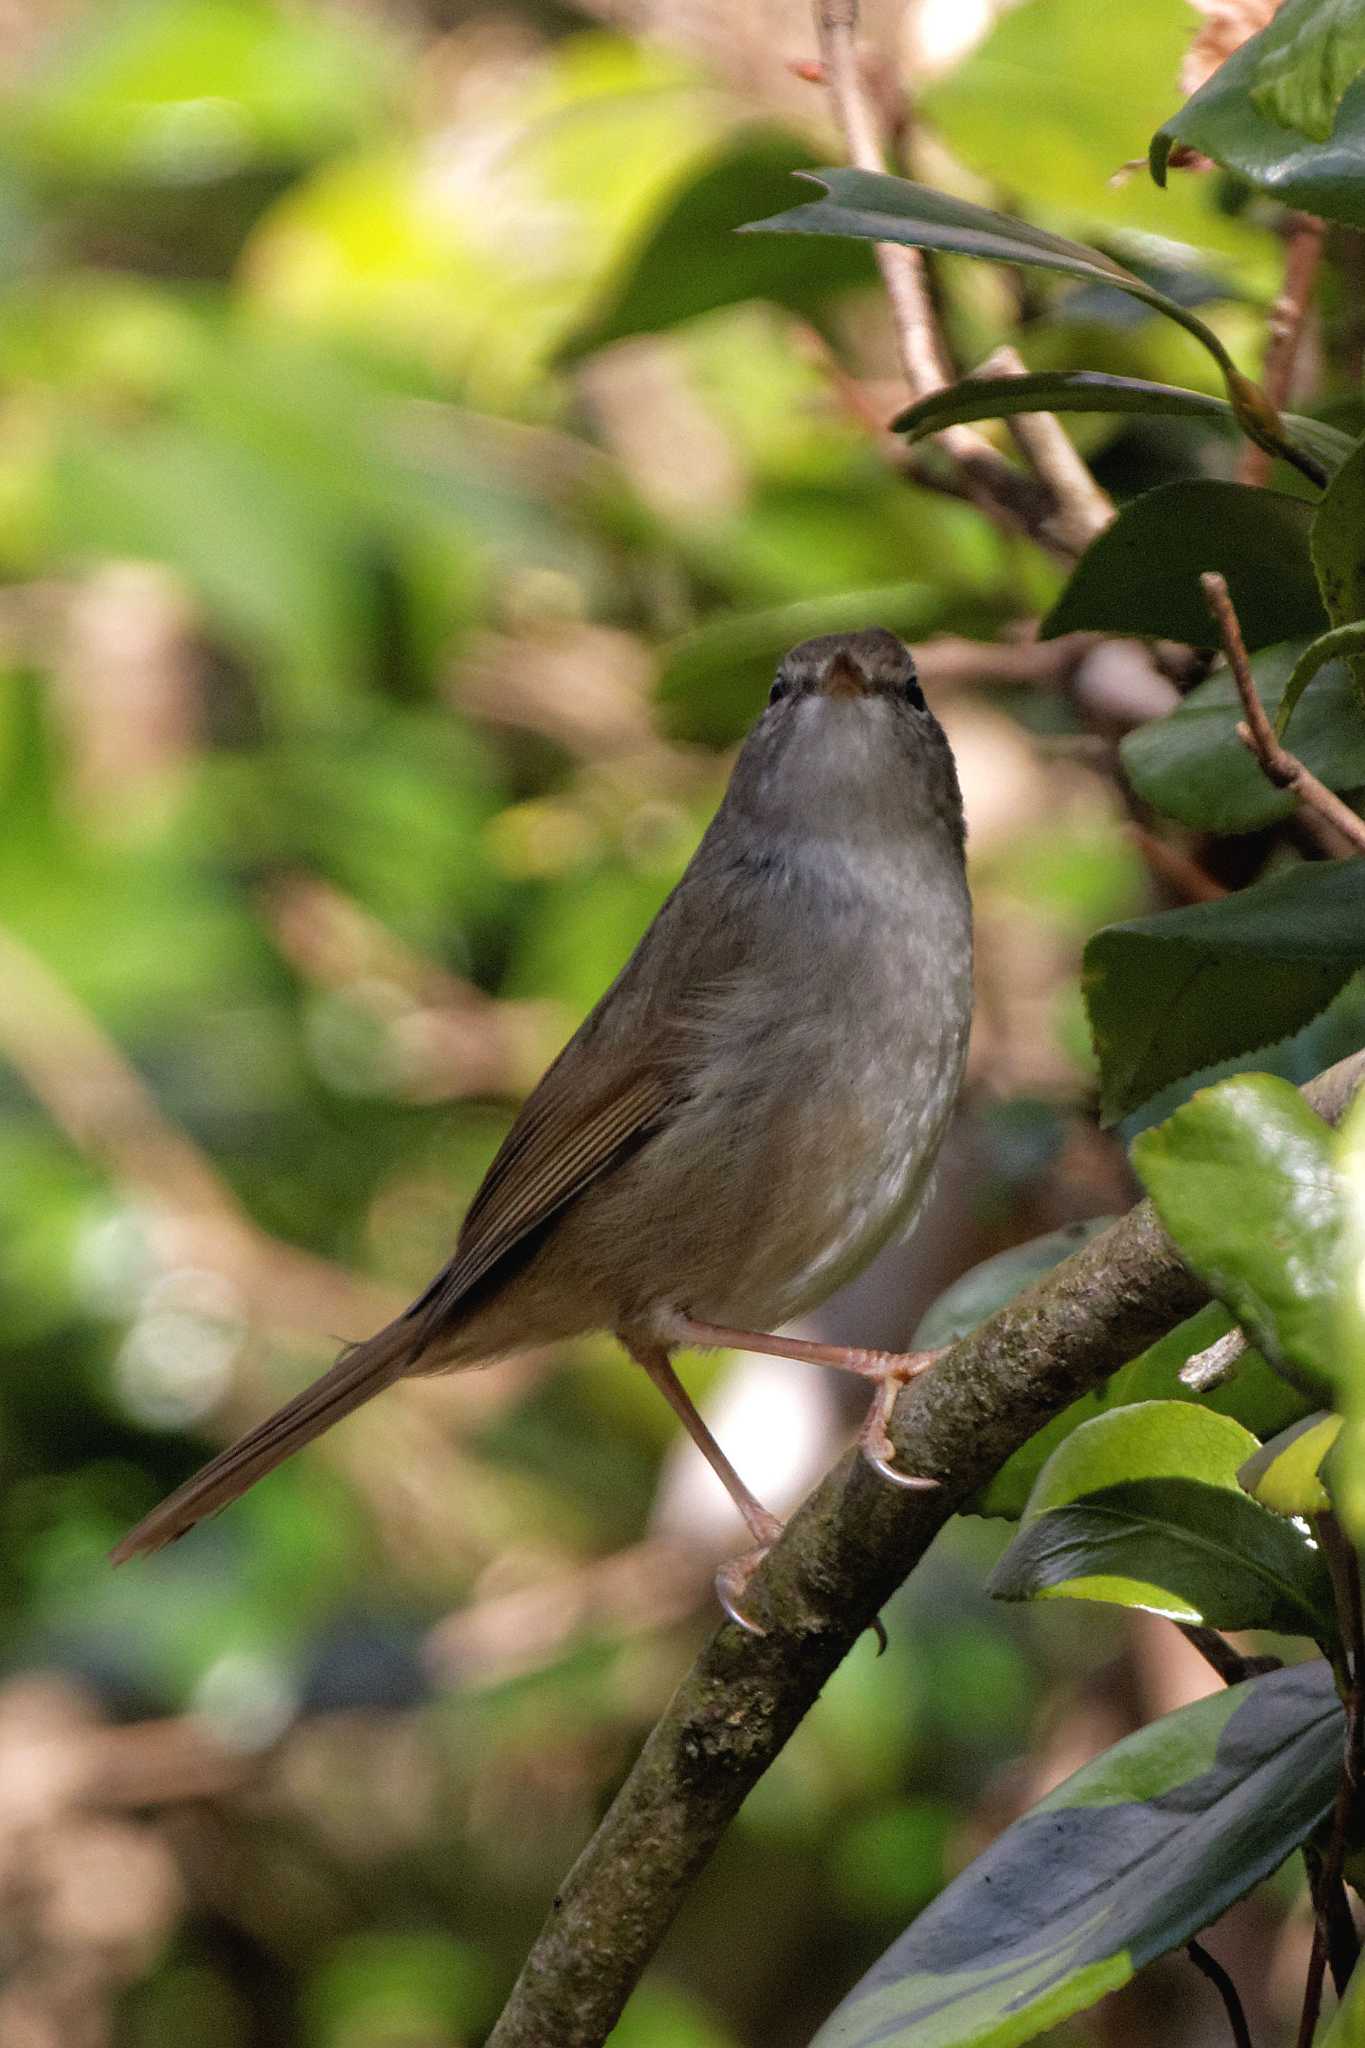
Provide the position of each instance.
(360, 1372)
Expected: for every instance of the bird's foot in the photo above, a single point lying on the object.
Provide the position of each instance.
(874, 1438)
(732, 1579)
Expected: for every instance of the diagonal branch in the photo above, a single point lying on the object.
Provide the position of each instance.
(1257, 734)
(1013, 499)
(822, 1584)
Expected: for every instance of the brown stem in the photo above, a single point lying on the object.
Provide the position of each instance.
(1209, 1966)
(1012, 499)
(841, 1556)
(1257, 734)
(1232, 1667)
(1304, 234)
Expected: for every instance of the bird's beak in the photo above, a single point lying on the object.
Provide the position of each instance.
(843, 678)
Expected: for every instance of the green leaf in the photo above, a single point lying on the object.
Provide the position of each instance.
(1283, 1474)
(1306, 58)
(1095, 391)
(1142, 1507)
(1244, 1176)
(1255, 1396)
(1348, 1458)
(1172, 994)
(1338, 544)
(979, 1292)
(1224, 121)
(1192, 766)
(691, 262)
(1142, 573)
(871, 206)
(1342, 640)
(716, 676)
(1122, 1863)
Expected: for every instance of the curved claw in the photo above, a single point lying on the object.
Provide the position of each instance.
(730, 1582)
(913, 1482)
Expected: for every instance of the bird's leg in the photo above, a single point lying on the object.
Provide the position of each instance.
(732, 1578)
(891, 1369)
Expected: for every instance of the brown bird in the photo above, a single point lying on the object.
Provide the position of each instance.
(751, 1111)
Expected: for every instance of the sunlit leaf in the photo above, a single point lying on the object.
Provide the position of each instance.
(1284, 1473)
(1142, 1508)
(1244, 1176)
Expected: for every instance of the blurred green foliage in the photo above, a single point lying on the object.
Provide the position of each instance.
(406, 486)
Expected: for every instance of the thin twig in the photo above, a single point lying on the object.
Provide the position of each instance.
(1304, 234)
(840, 1557)
(1209, 1966)
(1012, 498)
(1232, 1667)
(1083, 509)
(1207, 1369)
(1257, 734)
(1176, 868)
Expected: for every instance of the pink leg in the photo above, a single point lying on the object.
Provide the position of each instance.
(891, 1369)
(732, 1578)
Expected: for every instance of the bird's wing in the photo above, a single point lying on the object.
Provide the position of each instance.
(558, 1144)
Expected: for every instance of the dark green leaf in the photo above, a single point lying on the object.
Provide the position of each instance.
(987, 1287)
(1284, 1473)
(1306, 57)
(691, 262)
(1142, 574)
(1338, 543)
(1094, 391)
(1342, 640)
(1142, 1507)
(1193, 767)
(1255, 1396)
(1224, 121)
(870, 206)
(718, 674)
(1125, 1861)
(1244, 1177)
(1172, 994)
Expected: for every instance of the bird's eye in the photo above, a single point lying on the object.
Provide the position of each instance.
(913, 694)
(780, 689)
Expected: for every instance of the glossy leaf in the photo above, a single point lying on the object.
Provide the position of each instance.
(1192, 766)
(1257, 1397)
(979, 1292)
(1142, 1508)
(691, 261)
(1224, 121)
(1142, 573)
(1348, 1457)
(1125, 1861)
(1306, 57)
(1094, 391)
(1284, 1473)
(1244, 1176)
(1338, 543)
(871, 206)
(1328, 647)
(1172, 994)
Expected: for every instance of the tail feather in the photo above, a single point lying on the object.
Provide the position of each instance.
(360, 1372)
